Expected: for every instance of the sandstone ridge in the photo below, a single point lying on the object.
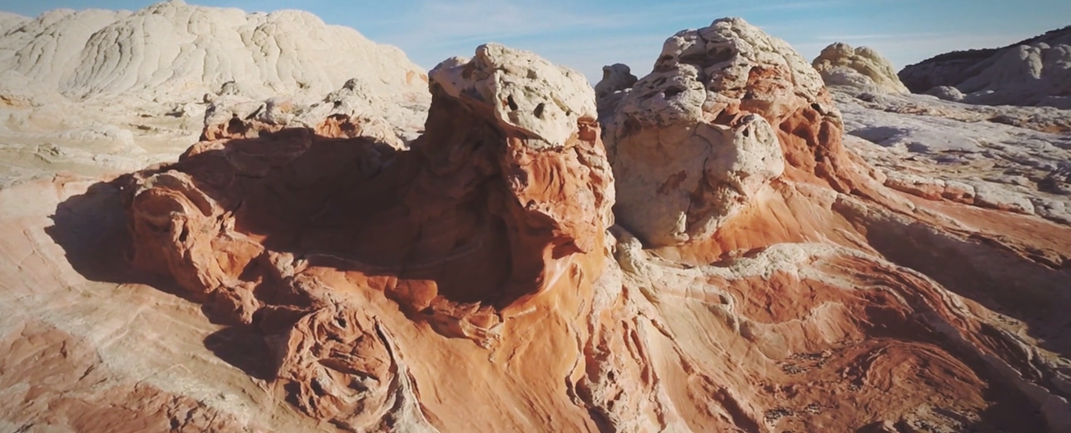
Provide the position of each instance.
(1033, 72)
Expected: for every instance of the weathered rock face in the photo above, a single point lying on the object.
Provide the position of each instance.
(501, 203)
(861, 68)
(75, 85)
(330, 278)
(1033, 72)
(772, 270)
(726, 109)
(174, 51)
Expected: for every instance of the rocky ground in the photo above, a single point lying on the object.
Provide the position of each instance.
(725, 244)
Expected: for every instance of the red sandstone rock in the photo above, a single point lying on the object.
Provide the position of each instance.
(469, 230)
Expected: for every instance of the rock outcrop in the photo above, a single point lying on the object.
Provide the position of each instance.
(68, 79)
(861, 68)
(177, 52)
(730, 261)
(727, 110)
(1033, 72)
(331, 244)
(617, 80)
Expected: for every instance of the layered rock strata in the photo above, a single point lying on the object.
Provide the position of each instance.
(333, 244)
(727, 263)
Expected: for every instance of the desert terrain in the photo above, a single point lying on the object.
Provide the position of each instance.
(220, 221)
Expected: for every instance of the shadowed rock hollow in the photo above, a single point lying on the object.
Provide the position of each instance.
(727, 263)
(492, 225)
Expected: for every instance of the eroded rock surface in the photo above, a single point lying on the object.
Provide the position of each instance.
(1000, 157)
(726, 109)
(495, 218)
(761, 271)
(862, 67)
(77, 87)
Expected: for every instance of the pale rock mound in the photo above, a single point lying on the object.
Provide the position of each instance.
(177, 52)
(1034, 72)
(9, 21)
(947, 93)
(68, 78)
(861, 68)
(699, 137)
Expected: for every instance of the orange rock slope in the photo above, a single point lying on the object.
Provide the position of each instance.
(758, 277)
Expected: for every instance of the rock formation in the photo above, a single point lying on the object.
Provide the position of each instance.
(1033, 72)
(732, 260)
(727, 110)
(617, 79)
(331, 244)
(67, 77)
(174, 51)
(861, 68)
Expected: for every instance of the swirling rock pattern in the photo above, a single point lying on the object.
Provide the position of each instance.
(727, 263)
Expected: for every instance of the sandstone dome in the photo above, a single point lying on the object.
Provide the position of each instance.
(861, 68)
(174, 51)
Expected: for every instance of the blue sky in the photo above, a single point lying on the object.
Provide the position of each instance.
(588, 35)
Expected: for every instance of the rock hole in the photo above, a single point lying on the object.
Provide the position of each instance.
(235, 126)
(317, 388)
(539, 110)
(672, 91)
(512, 104)
(185, 234)
(747, 132)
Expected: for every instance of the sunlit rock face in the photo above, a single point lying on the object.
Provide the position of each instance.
(861, 68)
(727, 110)
(494, 220)
(732, 260)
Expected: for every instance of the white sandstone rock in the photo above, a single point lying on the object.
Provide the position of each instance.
(680, 172)
(527, 93)
(1033, 72)
(862, 68)
(172, 51)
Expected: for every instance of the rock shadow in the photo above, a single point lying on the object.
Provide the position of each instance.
(92, 228)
